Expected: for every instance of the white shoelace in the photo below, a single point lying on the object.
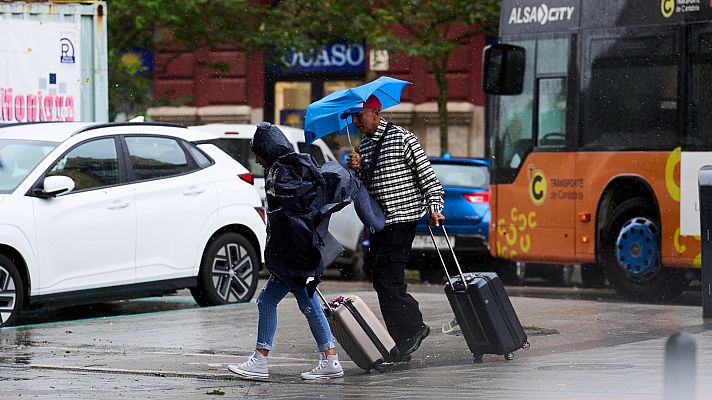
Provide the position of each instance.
(323, 363)
(252, 361)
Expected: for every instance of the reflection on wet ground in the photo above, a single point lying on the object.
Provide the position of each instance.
(597, 347)
(536, 288)
(16, 345)
(46, 314)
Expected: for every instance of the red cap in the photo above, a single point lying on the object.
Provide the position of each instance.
(372, 102)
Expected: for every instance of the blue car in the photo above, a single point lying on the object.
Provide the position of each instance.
(467, 216)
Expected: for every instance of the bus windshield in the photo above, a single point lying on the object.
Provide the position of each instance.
(536, 117)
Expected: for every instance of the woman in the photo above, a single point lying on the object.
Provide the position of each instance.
(301, 197)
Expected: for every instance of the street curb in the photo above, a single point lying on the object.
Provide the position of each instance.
(161, 374)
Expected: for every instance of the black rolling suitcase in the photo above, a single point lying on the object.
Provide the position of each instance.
(483, 310)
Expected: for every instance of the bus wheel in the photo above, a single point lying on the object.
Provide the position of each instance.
(630, 254)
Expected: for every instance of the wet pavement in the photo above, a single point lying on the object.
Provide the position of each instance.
(584, 345)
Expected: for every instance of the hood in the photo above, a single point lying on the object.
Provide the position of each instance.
(270, 142)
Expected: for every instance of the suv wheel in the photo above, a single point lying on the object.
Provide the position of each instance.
(228, 273)
(12, 292)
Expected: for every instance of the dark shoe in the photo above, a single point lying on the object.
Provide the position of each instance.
(411, 345)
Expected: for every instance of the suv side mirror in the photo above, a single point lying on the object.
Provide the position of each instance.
(503, 69)
(52, 186)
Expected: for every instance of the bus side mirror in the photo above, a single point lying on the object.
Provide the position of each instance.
(503, 69)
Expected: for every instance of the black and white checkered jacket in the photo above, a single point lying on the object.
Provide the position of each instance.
(403, 183)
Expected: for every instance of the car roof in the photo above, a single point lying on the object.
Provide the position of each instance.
(61, 131)
(247, 131)
(459, 160)
(44, 131)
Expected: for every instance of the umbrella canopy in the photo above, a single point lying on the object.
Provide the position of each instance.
(325, 116)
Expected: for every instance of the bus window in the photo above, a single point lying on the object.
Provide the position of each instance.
(552, 56)
(514, 119)
(551, 101)
(701, 93)
(545, 57)
(630, 102)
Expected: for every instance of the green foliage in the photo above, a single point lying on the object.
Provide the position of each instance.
(433, 29)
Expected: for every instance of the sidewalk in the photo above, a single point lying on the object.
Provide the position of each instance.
(580, 349)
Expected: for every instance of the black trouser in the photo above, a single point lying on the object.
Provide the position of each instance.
(388, 255)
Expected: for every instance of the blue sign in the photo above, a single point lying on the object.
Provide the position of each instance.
(332, 57)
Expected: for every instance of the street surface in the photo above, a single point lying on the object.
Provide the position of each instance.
(585, 344)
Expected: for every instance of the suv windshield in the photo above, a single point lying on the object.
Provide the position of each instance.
(18, 158)
(462, 175)
(239, 149)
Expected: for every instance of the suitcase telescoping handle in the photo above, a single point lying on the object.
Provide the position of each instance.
(454, 257)
(329, 309)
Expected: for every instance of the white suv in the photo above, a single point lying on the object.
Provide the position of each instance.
(345, 225)
(92, 212)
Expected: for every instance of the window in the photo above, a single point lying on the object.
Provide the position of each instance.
(315, 151)
(91, 165)
(551, 118)
(547, 63)
(155, 157)
(515, 117)
(239, 149)
(290, 102)
(18, 158)
(631, 97)
(701, 93)
(462, 175)
(200, 158)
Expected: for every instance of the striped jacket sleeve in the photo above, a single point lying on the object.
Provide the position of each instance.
(428, 183)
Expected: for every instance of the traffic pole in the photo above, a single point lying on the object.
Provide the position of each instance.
(705, 189)
(680, 364)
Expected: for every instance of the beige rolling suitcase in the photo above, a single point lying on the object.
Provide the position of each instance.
(359, 332)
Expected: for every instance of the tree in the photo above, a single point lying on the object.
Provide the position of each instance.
(430, 30)
(273, 27)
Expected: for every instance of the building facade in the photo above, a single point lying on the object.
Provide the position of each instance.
(226, 85)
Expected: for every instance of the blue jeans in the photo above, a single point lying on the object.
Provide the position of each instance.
(267, 301)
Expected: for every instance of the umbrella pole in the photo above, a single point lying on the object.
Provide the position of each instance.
(348, 135)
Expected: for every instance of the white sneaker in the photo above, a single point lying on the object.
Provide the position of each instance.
(254, 368)
(329, 367)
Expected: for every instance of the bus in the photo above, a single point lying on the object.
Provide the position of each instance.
(599, 116)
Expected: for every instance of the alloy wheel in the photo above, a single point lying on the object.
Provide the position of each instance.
(233, 273)
(8, 295)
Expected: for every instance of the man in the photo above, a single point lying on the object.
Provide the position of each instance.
(402, 181)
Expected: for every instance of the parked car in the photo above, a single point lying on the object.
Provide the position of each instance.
(467, 216)
(345, 225)
(93, 212)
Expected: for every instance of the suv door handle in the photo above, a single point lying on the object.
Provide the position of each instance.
(118, 204)
(192, 190)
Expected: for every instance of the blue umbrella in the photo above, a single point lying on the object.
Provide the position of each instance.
(325, 116)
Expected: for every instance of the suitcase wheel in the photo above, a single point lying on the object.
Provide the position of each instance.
(509, 356)
(477, 358)
(525, 345)
(380, 368)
